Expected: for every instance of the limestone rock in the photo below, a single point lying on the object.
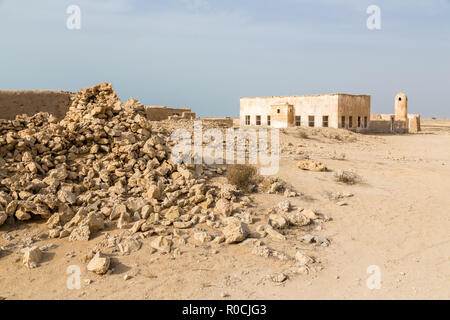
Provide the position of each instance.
(81, 233)
(182, 224)
(235, 231)
(94, 221)
(223, 207)
(67, 197)
(312, 165)
(117, 211)
(278, 277)
(303, 259)
(297, 219)
(99, 263)
(135, 204)
(3, 217)
(32, 256)
(278, 221)
(129, 245)
(146, 211)
(202, 237)
(162, 244)
(173, 213)
(153, 193)
(274, 234)
(22, 215)
(137, 226)
(284, 206)
(310, 214)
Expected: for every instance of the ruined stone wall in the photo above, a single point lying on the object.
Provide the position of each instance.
(30, 102)
(159, 113)
(414, 122)
(228, 122)
(380, 126)
(381, 116)
(386, 123)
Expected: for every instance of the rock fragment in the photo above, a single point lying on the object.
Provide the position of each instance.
(99, 264)
(32, 256)
(312, 165)
(235, 231)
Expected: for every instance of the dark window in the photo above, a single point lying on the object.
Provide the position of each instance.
(343, 122)
(278, 110)
(350, 122)
(268, 120)
(298, 121)
(247, 120)
(258, 120)
(359, 122)
(325, 121)
(311, 121)
(365, 122)
(399, 99)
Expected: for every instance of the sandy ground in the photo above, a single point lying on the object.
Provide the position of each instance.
(398, 220)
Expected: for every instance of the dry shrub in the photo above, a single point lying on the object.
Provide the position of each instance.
(302, 134)
(347, 177)
(241, 175)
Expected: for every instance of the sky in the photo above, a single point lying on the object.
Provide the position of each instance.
(206, 54)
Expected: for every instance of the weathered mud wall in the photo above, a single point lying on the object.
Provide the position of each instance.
(158, 113)
(30, 102)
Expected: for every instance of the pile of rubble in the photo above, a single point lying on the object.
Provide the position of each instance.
(104, 167)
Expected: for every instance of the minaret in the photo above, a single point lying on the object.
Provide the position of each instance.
(401, 107)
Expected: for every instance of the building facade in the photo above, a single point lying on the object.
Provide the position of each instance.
(331, 110)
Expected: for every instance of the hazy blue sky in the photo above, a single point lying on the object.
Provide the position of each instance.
(206, 54)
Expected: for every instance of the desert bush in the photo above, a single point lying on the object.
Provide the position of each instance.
(302, 134)
(347, 177)
(241, 175)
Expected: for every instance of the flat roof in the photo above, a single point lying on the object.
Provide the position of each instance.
(311, 95)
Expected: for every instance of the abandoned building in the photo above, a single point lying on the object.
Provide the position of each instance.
(331, 110)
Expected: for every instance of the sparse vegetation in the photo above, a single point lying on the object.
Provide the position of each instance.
(302, 134)
(347, 177)
(241, 175)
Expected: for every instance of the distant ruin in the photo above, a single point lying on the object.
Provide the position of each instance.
(30, 102)
(337, 110)
(159, 113)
